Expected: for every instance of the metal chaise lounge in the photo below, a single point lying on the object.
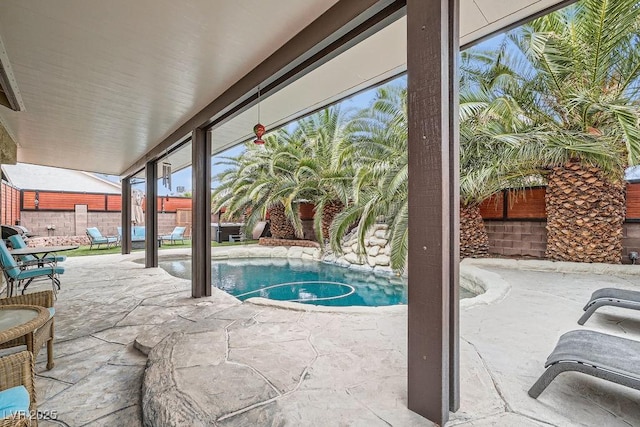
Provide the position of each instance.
(96, 238)
(593, 353)
(610, 296)
(176, 234)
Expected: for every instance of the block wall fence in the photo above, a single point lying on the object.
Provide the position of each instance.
(59, 213)
(516, 223)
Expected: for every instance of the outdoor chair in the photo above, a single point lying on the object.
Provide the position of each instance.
(96, 238)
(17, 242)
(17, 390)
(17, 275)
(610, 296)
(176, 234)
(593, 353)
(43, 334)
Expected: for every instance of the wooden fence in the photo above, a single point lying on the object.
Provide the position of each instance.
(529, 204)
(31, 200)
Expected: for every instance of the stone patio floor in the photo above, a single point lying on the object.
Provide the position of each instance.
(227, 363)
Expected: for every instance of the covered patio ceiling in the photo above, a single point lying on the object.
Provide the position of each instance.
(102, 83)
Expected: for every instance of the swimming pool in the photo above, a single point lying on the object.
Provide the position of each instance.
(304, 281)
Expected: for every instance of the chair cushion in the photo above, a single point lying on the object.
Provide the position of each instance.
(94, 233)
(13, 401)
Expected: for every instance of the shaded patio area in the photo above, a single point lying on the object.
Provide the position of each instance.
(232, 364)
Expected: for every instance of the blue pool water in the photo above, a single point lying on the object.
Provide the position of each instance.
(303, 281)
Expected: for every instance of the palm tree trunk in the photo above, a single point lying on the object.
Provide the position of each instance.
(329, 212)
(474, 241)
(281, 227)
(585, 214)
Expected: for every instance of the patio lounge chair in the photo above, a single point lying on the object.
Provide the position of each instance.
(176, 234)
(17, 390)
(610, 296)
(17, 275)
(43, 334)
(17, 242)
(96, 238)
(593, 353)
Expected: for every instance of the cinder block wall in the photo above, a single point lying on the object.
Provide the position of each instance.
(630, 240)
(517, 238)
(37, 222)
(529, 238)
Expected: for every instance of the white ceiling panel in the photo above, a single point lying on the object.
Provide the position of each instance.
(103, 82)
(497, 14)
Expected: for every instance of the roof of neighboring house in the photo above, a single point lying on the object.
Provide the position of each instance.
(44, 178)
(632, 174)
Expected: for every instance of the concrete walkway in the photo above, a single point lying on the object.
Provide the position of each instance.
(233, 364)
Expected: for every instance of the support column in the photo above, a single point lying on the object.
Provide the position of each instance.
(431, 220)
(454, 206)
(151, 216)
(125, 243)
(201, 214)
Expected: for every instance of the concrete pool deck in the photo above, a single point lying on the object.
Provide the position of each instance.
(228, 363)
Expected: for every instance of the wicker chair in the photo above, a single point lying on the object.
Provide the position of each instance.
(15, 370)
(42, 334)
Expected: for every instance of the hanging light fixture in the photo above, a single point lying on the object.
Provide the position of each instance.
(259, 128)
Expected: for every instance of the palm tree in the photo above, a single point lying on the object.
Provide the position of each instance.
(581, 68)
(325, 173)
(248, 187)
(293, 166)
(379, 190)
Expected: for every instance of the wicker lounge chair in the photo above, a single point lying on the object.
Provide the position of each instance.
(43, 334)
(176, 234)
(96, 238)
(593, 353)
(16, 376)
(610, 296)
(23, 274)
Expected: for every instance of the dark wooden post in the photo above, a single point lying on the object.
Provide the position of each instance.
(454, 206)
(431, 216)
(201, 214)
(151, 216)
(125, 243)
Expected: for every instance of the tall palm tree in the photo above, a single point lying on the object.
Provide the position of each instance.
(581, 67)
(379, 189)
(248, 187)
(302, 164)
(326, 172)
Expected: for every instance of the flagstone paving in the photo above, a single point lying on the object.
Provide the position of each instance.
(216, 361)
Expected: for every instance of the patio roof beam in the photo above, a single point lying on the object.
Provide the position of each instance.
(344, 25)
(151, 216)
(432, 129)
